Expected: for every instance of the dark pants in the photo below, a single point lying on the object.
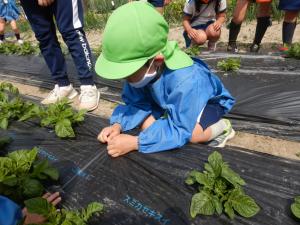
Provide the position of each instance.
(211, 114)
(69, 20)
(157, 3)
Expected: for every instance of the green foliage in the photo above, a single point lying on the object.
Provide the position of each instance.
(63, 217)
(95, 21)
(4, 141)
(173, 12)
(12, 107)
(295, 207)
(8, 48)
(21, 174)
(230, 64)
(220, 189)
(294, 51)
(60, 116)
(193, 50)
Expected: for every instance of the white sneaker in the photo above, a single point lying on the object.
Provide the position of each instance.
(20, 41)
(58, 93)
(1, 42)
(89, 97)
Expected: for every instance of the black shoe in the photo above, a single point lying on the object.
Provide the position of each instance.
(254, 48)
(232, 47)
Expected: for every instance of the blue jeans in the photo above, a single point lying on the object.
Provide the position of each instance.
(70, 25)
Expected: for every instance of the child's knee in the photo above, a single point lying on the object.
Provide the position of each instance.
(212, 34)
(240, 11)
(199, 135)
(290, 16)
(201, 37)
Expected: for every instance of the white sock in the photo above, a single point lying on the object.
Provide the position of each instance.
(217, 129)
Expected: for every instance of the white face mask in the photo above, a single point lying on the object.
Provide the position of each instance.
(148, 77)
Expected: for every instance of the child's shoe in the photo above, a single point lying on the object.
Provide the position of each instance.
(59, 93)
(254, 48)
(20, 41)
(220, 141)
(232, 47)
(89, 97)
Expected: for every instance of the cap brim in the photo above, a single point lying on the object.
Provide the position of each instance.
(115, 70)
(179, 60)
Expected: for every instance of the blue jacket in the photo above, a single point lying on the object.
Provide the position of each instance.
(175, 100)
(9, 11)
(10, 212)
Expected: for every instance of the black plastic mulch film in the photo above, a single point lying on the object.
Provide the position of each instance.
(267, 89)
(149, 189)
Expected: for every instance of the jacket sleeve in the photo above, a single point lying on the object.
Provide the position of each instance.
(136, 109)
(184, 105)
(10, 212)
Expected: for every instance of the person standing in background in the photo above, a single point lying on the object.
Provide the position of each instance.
(68, 15)
(239, 14)
(291, 8)
(9, 12)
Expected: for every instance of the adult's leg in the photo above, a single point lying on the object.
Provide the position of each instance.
(69, 18)
(236, 22)
(263, 22)
(41, 21)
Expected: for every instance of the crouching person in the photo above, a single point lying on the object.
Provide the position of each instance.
(202, 21)
(172, 98)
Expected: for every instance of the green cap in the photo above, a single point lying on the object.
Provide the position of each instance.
(135, 33)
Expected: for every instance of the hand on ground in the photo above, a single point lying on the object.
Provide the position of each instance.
(122, 144)
(31, 218)
(109, 133)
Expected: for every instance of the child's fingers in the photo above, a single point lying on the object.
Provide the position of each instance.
(53, 196)
(115, 155)
(56, 201)
(46, 195)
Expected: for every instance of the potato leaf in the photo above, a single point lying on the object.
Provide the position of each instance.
(202, 203)
(220, 189)
(295, 207)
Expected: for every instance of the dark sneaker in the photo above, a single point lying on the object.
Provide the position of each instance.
(254, 48)
(220, 141)
(232, 48)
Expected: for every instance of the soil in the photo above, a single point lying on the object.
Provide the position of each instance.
(268, 145)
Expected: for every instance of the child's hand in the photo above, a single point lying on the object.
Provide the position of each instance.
(217, 25)
(45, 3)
(122, 144)
(31, 218)
(109, 132)
(192, 33)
